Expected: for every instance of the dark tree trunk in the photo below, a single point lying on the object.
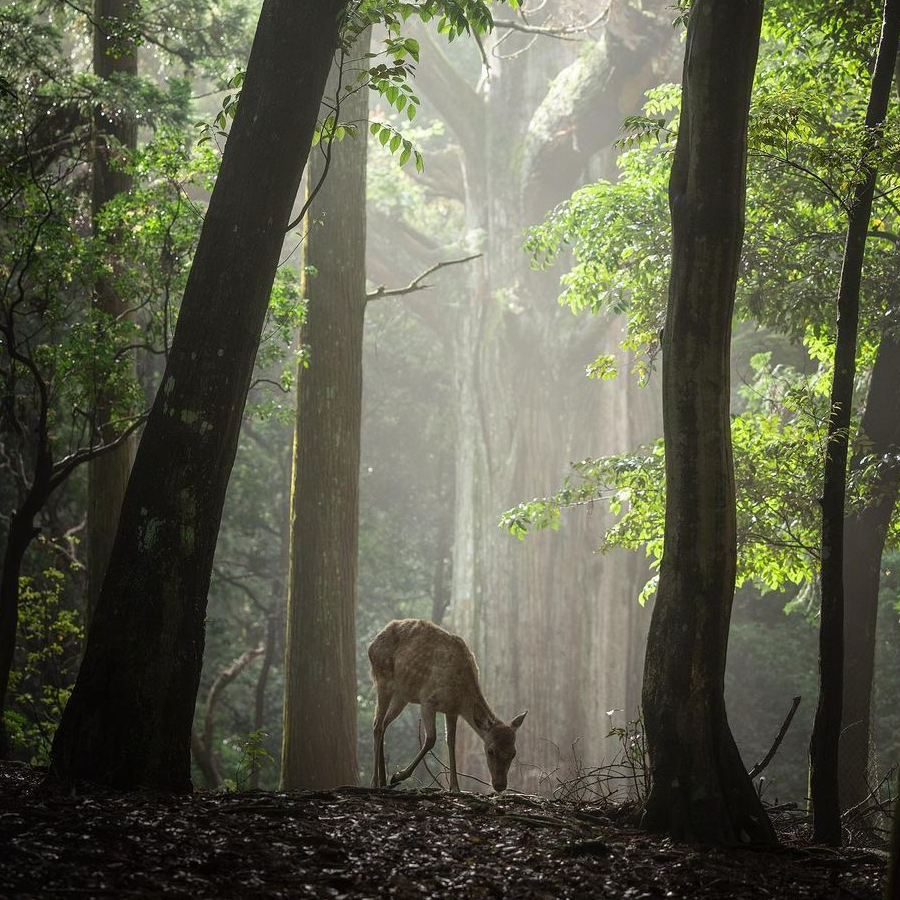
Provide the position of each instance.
(108, 474)
(128, 722)
(700, 788)
(865, 531)
(319, 742)
(20, 534)
(823, 747)
(892, 882)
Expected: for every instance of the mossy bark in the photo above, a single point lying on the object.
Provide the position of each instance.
(128, 721)
(700, 788)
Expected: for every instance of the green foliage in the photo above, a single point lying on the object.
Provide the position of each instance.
(809, 149)
(48, 642)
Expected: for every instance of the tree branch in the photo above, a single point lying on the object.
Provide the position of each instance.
(63, 469)
(761, 765)
(416, 283)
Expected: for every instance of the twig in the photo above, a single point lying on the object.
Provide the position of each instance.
(761, 765)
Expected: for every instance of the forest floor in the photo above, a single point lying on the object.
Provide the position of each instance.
(362, 843)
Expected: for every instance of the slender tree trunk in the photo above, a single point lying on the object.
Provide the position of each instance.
(823, 747)
(20, 534)
(108, 475)
(892, 882)
(128, 722)
(319, 741)
(865, 531)
(700, 788)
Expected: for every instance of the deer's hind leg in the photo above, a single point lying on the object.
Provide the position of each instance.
(429, 716)
(389, 707)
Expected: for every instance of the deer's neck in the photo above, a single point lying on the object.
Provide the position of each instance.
(478, 714)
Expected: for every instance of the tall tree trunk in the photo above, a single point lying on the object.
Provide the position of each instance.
(128, 721)
(108, 474)
(319, 742)
(700, 788)
(823, 746)
(865, 531)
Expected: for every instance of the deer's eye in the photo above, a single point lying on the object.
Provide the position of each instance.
(492, 752)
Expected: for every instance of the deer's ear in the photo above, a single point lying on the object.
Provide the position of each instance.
(519, 719)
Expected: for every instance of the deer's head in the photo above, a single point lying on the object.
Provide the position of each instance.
(500, 749)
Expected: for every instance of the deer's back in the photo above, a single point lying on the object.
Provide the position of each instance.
(419, 661)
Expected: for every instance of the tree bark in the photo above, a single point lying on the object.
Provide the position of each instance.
(865, 531)
(128, 721)
(700, 788)
(319, 738)
(108, 475)
(824, 742)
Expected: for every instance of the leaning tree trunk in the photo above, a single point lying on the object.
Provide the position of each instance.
(823, 746)
(108, 474)
(865, 531)
(319, 742)
(700, 788)
(128, 721)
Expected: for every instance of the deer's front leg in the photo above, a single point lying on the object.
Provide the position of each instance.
(429, 714)
(451, 746)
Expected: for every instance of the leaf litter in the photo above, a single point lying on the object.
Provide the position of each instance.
(357, 842)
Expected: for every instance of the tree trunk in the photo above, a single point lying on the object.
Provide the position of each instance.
(864, 536)
(20, 535)
(892, 881)
(108, 474)
(823, 746)
(700, 788)
(128, 721)
(319, 741)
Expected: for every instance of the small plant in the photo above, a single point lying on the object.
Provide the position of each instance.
(253, 756)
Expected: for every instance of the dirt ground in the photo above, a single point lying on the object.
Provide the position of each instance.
(363, 843)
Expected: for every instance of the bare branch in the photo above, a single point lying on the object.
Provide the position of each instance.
(416, 283)
(64, 468)
(761, 765)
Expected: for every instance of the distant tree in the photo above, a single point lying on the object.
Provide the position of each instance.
(128, 722)
(824, 743)
(319, 737)
(700, 788)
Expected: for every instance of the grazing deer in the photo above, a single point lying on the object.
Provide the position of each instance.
(414, 661)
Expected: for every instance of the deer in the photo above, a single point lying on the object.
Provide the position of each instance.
(416, 661)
